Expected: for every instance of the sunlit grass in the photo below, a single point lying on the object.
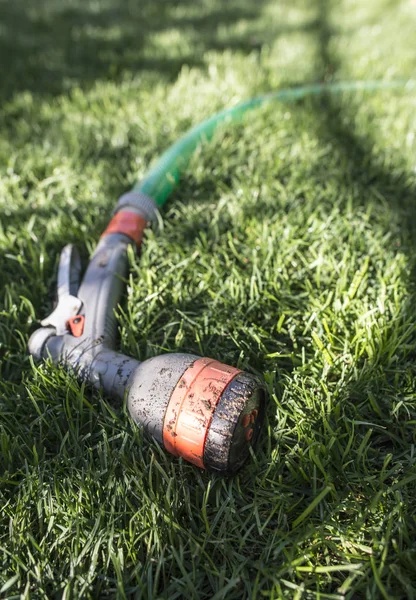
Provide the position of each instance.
(288, 250)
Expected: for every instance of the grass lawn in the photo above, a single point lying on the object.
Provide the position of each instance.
(288, 250)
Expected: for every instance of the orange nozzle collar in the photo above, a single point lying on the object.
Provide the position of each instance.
(191, 407)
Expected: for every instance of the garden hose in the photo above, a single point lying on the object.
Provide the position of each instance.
(197, 408)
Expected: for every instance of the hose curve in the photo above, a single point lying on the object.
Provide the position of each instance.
(164, 175)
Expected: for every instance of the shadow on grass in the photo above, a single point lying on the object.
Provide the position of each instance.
(49, 47)
(361, 168)
(53, 46)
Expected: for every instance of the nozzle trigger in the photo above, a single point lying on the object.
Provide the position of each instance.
(69, 304)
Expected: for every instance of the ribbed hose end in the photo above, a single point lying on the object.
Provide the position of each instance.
(141, 203)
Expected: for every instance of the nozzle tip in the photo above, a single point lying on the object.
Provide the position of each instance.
(235, 425)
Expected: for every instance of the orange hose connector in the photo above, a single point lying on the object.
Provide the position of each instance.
(129, 223)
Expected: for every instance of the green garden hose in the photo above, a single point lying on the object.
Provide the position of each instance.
(207, 412)
(165, 173)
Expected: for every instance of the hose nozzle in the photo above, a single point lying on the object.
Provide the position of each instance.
(198, 408)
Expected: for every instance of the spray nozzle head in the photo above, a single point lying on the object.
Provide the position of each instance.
(198, 408)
